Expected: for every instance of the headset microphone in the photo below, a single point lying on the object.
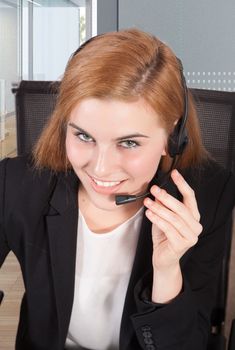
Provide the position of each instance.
(125, 198)
(177, 142)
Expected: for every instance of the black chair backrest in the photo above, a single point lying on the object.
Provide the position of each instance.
(216, 112)
(35, 101)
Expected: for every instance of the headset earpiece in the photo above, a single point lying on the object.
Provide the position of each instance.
(178, 139)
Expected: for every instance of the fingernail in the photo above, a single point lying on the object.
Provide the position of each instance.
(176, 173)
(148, 201)
(156, 189)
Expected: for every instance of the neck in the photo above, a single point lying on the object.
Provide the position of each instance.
(101, 220)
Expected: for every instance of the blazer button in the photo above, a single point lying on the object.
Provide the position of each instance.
(147, 334)
(148, 341)
(150, 347)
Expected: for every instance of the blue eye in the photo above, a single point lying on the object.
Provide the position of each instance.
(84, 137)
(129, 144)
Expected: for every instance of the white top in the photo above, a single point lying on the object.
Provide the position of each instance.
(103, 267)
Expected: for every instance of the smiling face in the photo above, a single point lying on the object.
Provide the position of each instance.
(114, 147)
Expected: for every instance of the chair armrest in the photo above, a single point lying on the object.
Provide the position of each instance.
(1, 296)
(216, 342)
(231, 344)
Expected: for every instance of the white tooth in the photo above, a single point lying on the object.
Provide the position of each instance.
(106, 184)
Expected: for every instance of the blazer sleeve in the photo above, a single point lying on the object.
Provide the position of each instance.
(184, 323)
(4, 249)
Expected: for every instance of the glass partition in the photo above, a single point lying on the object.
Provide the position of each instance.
(37, 38)
(51, 31)
(9, 11)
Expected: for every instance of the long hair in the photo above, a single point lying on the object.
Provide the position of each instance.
(125, 65)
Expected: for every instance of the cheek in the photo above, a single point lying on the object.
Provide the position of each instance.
(69, 149)
(144, 167)
(75, 153)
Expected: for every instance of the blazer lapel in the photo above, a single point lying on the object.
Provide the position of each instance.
(142, 265)
(62, 230)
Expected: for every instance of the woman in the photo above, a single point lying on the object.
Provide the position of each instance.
(99, 275)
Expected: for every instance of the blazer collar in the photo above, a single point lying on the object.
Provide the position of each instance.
(62, 221)
(64, 192)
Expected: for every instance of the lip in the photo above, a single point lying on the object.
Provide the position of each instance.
(105, 190)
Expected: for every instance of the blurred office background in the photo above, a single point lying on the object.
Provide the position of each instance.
(36, 40)
(38, 36)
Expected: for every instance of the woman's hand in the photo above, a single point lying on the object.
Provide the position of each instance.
(175, 229)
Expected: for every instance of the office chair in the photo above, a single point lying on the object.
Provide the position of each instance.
(35, 101)
(216, 112)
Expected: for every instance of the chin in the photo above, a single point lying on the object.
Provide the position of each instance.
(107, 203)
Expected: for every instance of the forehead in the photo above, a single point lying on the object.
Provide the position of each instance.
(111, 113)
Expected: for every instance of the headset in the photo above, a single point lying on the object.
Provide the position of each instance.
(177, 140)
(85, 44)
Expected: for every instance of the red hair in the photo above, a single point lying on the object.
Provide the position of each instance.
(125, 65)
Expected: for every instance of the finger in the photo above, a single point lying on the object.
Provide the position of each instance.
(176, 240)
(172, 203)
(188, 229)
(187, 192)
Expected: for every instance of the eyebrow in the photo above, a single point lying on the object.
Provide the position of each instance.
(117, 139)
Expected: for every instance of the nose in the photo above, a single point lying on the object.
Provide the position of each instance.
(105, 161)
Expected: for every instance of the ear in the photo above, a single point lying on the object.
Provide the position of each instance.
(175, 122)
(165, 148)
(164, 151)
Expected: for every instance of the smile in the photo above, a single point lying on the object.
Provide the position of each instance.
(106, 183)
(105, 187)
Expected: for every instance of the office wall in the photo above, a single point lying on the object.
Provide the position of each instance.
(8, 56)
(107, 16)
(200, 32)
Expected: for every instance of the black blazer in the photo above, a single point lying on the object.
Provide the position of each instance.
(38, 222)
